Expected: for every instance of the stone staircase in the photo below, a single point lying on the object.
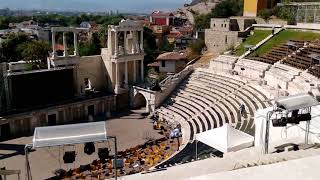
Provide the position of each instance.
(250, 158)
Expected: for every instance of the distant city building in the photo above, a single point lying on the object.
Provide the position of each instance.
(162, 18)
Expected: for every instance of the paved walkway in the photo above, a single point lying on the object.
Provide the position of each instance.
(130, 131)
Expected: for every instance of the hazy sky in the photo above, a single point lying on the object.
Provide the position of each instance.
(95, 5)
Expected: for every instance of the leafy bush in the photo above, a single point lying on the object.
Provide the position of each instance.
(196, 46)
(9, 51)
(265, 14)
(35, 50)
(228, 8)
(287, 13)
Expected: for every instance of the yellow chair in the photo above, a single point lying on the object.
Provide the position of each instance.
(166, 156)
(150, 163)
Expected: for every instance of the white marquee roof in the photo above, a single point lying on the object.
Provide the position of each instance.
(226, 138)
(69, 134)
(298, 101)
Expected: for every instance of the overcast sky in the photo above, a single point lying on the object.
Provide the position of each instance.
(95, 5)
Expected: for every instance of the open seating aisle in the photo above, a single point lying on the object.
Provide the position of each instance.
(280, 75)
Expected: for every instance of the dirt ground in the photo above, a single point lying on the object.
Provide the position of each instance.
(130, 131)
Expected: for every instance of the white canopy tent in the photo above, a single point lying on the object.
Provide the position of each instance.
(226, 139)
(69, 134)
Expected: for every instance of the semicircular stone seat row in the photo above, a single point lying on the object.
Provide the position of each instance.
(206, 100)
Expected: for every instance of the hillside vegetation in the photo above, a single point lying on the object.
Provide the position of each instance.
(285, 36)
(258, 35)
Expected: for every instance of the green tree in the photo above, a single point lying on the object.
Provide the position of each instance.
(90, 47)
(287, 13)
(265, 14)
(103, 35)
(34, 50)
(149, 46)
(203, 21)
(166, 46)
(196, 46)
(227, 8)
(9, 50)
(4, 23)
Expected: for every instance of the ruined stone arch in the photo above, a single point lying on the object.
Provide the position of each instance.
(139, 101)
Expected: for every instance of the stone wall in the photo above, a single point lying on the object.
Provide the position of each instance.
(105, 55)
(245, 23)
(154, 99)
(2, 87)
(24, 123)
(92, 67)
(219, 41)
(220, 24)
(122, 103)
(170, 84)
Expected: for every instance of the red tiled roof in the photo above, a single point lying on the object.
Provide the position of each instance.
(174, 35)
(172, 56)
(154, 64)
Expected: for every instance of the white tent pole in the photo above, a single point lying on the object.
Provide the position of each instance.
(27, 148)
(196, 149)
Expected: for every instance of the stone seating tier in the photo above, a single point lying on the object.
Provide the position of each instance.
(208, 100)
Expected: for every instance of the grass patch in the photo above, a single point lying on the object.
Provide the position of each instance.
(254, 39)
(285, 36)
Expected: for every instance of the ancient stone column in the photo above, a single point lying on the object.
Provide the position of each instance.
(142, 71)
(65, 46)
(116, 43)
(117, 86)
(134, 72)
(125, 42)
(75, 44)
(53, 44)
(141, 42)
(133, 44)
(126, 73)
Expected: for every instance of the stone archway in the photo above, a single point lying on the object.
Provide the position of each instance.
(143, 98)
(140, 102)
